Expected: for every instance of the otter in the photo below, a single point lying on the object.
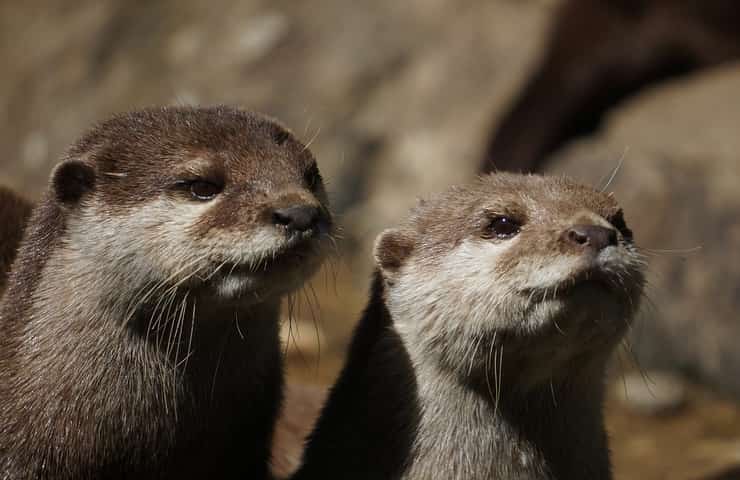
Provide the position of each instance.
(482, 351)
(14, 213)
(139, 329)
(599, 53)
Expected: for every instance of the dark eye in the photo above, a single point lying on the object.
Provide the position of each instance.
(312, 177)
(617, 220)
(502, 226)
(203, 190)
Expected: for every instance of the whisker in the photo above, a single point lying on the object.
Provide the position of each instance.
(474, 353)
(675, 251)
(218, 362)
(236, 322)
(645, 376)
(621, 373)
(552, 394)
(190, 340)
(315, 136)
(500, 377)
(181, 326)
(488, 369)
(316, 321)
(615, 170)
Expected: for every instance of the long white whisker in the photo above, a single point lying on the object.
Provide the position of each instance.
(616, 169)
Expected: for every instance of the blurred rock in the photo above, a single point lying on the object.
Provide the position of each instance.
(395, 98)
(599, 53)
(652, 392)
(680, 187)
(726, 474)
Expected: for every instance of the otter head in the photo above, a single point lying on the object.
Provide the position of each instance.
(539, 269)
(222, 202)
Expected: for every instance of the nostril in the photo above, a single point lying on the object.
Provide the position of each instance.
(297, 218)
(612, 237)
(578, 237)
(593, 236)
(280, 218)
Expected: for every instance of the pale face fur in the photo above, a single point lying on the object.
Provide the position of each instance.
(164, 242)
(460, 295)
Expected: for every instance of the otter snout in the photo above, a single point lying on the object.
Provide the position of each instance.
(593, 237)
(301, 219)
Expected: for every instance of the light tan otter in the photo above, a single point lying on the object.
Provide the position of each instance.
(482, 351)
(139, 330)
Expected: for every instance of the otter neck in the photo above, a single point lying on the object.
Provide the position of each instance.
(472, 431)
(168, 402)
(173, 325)
(420, 420)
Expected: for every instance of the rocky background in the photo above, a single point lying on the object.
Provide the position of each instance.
(397, 99)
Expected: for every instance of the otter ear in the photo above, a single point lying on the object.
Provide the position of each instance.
(71, 180)
(392, 248)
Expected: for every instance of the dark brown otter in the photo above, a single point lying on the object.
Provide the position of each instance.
(14, 213)
(482, 350)
(600, 52)
(139, 329)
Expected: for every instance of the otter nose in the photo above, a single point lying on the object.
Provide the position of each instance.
(298, 218)
(593, 236)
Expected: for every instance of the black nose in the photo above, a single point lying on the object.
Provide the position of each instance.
(298, 218)
(592, 236)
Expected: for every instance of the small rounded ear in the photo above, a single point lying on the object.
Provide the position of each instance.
(71, 180)
(392, 248)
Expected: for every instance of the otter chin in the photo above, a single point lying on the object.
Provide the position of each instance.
(274, 273)
(593, 287)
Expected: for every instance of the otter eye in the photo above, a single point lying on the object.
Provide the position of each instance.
(203, 190)
(312, 177)
(502, 226)
(617, 221)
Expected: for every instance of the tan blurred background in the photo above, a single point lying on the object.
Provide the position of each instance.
(399, 99)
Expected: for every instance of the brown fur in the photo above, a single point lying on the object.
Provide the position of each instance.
(600, 52)
(479, 355)
(97, 380)
(14, 213)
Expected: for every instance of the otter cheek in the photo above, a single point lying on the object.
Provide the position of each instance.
(232, 287)
(540, 273)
